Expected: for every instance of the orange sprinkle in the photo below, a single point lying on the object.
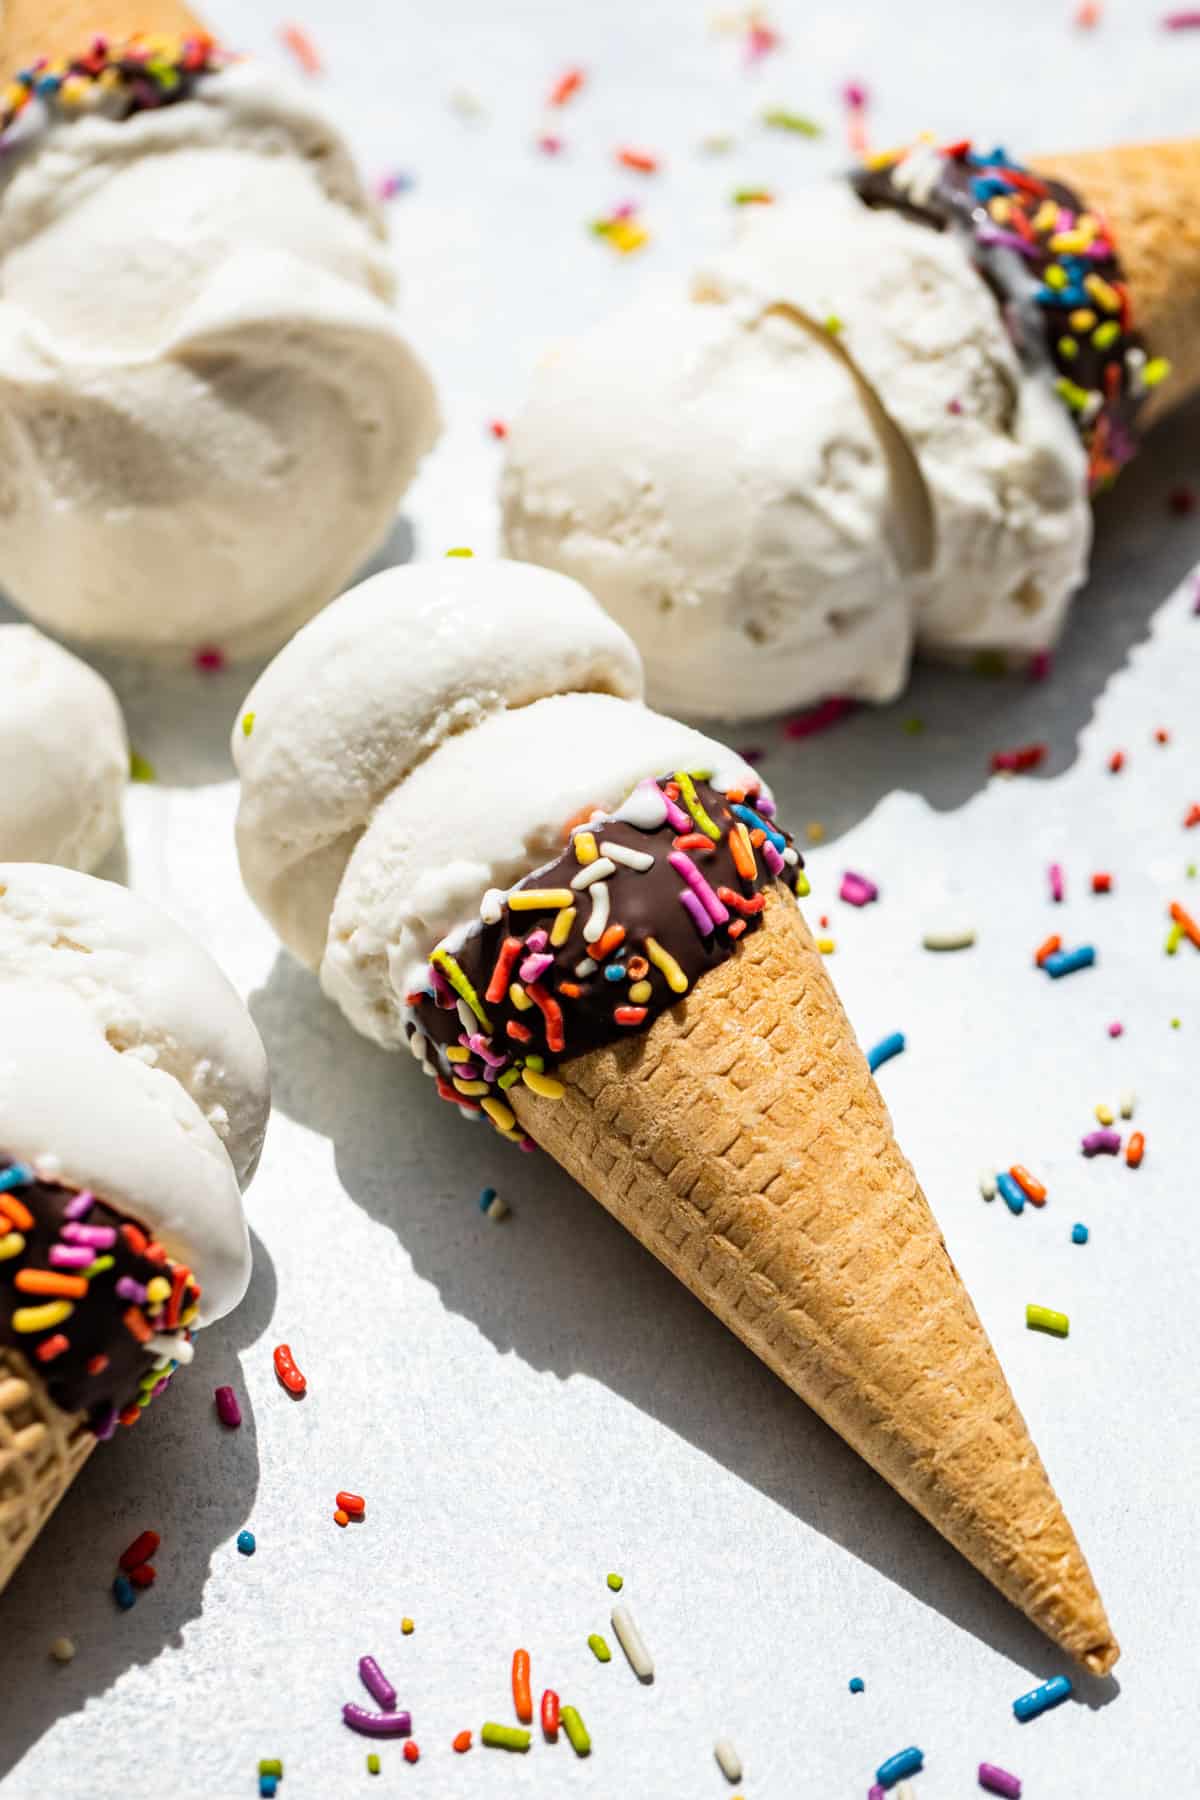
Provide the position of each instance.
(136, 1324)
(179, 1280)
(1135, 1149)
(694, 840)
(608, 941)
(1029, 1184)
(341, 1517)
(637, 967)
(671, 790)
(1116, 761)
(1190, 928)
(581, 818)
(629, 1015)
(515, 1029)
(17, 1211)
(1101, 883)
(758, 837)
(742, 853)
(155, 1252)
(462, 1743)
(136, 1239)
(50, 1281)
(566, 87)
(522, 1693)
(302, 48)
(571, 989)
(131, 1415)
(1192, 817)
(641, 160)
(736, 929)
(1051, 945)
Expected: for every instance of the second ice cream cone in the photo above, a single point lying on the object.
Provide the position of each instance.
(42, 1449)
(33, 28)
(742, 1139)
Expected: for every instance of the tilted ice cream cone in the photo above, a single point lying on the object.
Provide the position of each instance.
(646, 1004)
(34, 28)
(133, 1101)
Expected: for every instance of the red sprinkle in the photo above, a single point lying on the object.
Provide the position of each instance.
(51, 1347)
(818, 718)
(550, 1714)
(1116, 762)
(1135, 1149)
(354, 1504)
(1181, 501)
(1101, 883)
(629, 1015)
(1162, 735)
(97, 1364)
(285, 1366)
(144, 1576)
(411, 1752)
(139, 1552)
(209, 659)
(462, 1743)
(1020, 761)
(1192, 817)
(498, 428)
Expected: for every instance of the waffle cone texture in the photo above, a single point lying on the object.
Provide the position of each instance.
(1151, 195)
(41, 1451)
(742, 1140)
(33, 28)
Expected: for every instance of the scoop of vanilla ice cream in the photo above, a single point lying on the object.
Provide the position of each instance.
(372, 687)
(1003, 466)
(63, 753)
(128, 1057)
(207, 410)
(488, 807)
(731, 493)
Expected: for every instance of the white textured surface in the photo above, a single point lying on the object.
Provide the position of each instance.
(529, 1405)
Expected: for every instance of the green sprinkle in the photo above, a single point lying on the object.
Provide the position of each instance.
(140, 767)
(460, 550)
(1106, 334)
(751, 197)
(803, 885)
(372, 1762)
(506, 1737)
(248, 723)
(271, 1765)
(1075, 396)
(442, 959)
(691, 800)
(913, 727)
(536, 1063)
(778, 118)
(509, 1076)
(616, 1583)
(1068, 347)
(599, 1648)
(1175, 1023)
(1191, 871)
(99, 1267)
(1044, 1318)
(576, 1730)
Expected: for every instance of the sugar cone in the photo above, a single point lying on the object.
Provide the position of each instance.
(1151, 195)
(742, 1140)
(33, 28)
(41, 1451)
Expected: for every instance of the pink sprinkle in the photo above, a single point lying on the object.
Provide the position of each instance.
(1087, 15)
(228, 1410)
(1040, 664)
(550, 145)
(760, 41)
(479, 1044)
(70, 1256)
(302, 48)
(683, 865)
(537, 940)
(99, 1237)
(1116, 1029)
(209, 659)
(955, 407)
(81, 1205)
(1182, 21)
(388, 186)
(1057, 885)
(626, 210)
(818, 718)
(534, 967)
(999, 1781)
(856, 890)
(677, 819)
(771, 857)
(855, 95)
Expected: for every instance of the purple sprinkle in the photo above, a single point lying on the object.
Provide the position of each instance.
(396, 1724)
(443, 993)
(989, 234)
(104, 1423)
(999, 1781)
(377, 1683)
(955, 407)
(699, 917)
(857, 890)
(683, 865)
(228, 1410)
(753, 755)
(80, 1206)
(875, 1792)
(158, 1387)
(534, 967)
(100, 1237)
(771, 857)
(765, 807)
(70, 1256)
(1101, 1143)
(129, 1289)
(677, 819)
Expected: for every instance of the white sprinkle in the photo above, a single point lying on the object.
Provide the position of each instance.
(728, 1759)
(586, 967)
(1128, 1102)
(791, 856)
(987, 1184)
(629, 859)
(904, 1790)
(600, 870)
(948, 936)
(491, 906)
(466, 1018)
(598, 923)
(630, 1640)
(419, 1046)
(62, 1649)
(178, 1348)
(48, 1168)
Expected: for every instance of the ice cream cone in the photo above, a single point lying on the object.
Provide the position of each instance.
(742, 1139)
(42, 1449)
(33, 28)
(1150, 193)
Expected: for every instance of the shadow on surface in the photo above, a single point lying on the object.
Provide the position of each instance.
(159, 1475)
(564, 1287)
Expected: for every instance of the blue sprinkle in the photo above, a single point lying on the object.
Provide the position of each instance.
(1065, 962)
(1041, 1699)
(15, 1176)
(1079, 1234)
(857, 1684)
(986, 187)
(1013, 1193)
(884, 1050)
(47, 84)
(123, 1593)
(905, 1762)
(749, 817)
(486, 1198)
(247, 1543)
(267, 1785)
(614, 972)
(1068, 296)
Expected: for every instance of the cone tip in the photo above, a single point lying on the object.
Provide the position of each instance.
(1099, 1660)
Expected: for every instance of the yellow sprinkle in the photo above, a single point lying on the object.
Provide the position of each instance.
(406, 1626)
(1045, 216)
(803, 885)
(519, 997)
(826, 946)
(140, 767)
(545, 1085)
(1102, 292)
(1174, 939)
(470, 1087)
(158, 1290)
(189, 1315)
(1055, 276)
(814, 831)
(14, 1243)
(1156, 370)
(1070, 243)
(1104, 1114)
(457, 1053)
(1106, 334)
(442, 959)
(248, 723)
(665, 963)
(539, 899)
(1082, 319)
(585, 846)
(502, 1117)
(1000, 207)
(41, 1318)
(691, 800)
(640, 992)
(560, 931)
(460, 551)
